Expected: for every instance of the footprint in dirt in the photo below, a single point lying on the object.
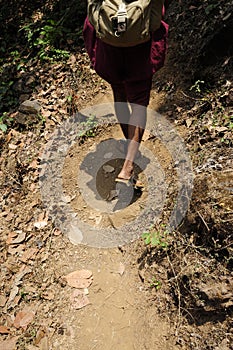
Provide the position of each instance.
(99, 170)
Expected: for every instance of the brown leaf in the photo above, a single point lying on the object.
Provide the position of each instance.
(13, 293)
(24, 318)
(3, 300)
(57, 232)
(9, 344)
(79, 278)
(20, 238)
(10, 237)
(28, 254)
(39, 335)
(192, 7)
(79, 299)
(4, 330)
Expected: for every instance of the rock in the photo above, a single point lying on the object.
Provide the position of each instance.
(108, 169)
(30, 107)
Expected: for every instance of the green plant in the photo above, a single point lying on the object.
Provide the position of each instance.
(156, 238)
(89, 127)
(155, 283)
(45, 39)
(197, 86)
(4, 122)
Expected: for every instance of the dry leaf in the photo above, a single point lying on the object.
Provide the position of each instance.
(192, 7)
(12, 146)
(188, 122)
(57, 232)
(121, 269)
(79, 299)
(13, 293)
(10, 237)
(42, 220)
(3, 300)
(28, 254)
(79, 278)
(4, 330)
(24, 318)
(9, 344)
(40, 224)
(20, 238)
(221, 128)
(39, 335)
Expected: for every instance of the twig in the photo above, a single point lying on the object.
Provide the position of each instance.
(192, 98)
(203, 220)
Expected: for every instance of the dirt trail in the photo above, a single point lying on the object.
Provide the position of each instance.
(120, 315)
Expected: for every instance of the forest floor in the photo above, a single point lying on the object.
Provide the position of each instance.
(160, 290)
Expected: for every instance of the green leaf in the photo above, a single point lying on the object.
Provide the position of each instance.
(3, 127)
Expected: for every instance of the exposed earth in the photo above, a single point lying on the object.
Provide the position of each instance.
(162, 290)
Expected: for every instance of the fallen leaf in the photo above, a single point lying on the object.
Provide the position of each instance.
(121, 268)
(10, 237)
(192, 7)
(39, 335)
(15, 249)
(79, 299)
(3, 300)
(24, 318)
(13, 293)
(20, 238)
(42, 220)
(12, 146)
(57, 232)
(221, 128)
(79, 278)
(40, 224)
(9, 344)
(4, 330)
(28, 254)
(188, 122)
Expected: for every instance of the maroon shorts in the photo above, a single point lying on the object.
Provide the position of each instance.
(137, 92)
(128, 67)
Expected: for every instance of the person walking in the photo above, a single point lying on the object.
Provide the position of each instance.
(129, 71)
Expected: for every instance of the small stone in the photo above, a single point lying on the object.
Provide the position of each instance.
(108, 169)
(28, 107)
(108, 155)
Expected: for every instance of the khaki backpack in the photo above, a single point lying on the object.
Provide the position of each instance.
(124, 22)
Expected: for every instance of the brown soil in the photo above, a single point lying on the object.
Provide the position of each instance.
(174, 294)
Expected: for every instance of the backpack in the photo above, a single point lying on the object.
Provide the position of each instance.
(124, 22)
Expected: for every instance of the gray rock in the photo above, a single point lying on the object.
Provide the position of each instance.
(30, 107)
(108, 169)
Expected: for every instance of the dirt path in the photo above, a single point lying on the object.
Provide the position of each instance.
(120, 315)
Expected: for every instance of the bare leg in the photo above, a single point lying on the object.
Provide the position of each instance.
(122, 109)
(136, 128)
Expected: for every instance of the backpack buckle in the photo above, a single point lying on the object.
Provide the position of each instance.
(121, 20)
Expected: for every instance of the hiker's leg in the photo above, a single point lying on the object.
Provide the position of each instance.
(136, 127)
(138, 94)
(121, 107)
